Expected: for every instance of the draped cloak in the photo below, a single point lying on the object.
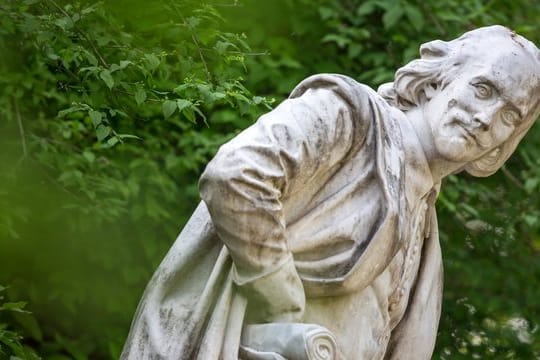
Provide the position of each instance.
(313, 189)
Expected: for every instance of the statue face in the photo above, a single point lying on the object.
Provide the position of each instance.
(484, 104)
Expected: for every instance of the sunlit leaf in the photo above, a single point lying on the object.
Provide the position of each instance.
(14, 306)
(102, 132)
(392, 16)
(152, 61)
(140, 96)
(182, 104)
(106, 76)
(95, 116)
(168, 108)
(415, 16)
(89, 156)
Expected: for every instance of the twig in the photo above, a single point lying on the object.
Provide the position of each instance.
(228, 5)
(512, 178)
(234, 4)
(196, 42)
(21, 127)
(434, 19)
(264, 53)
(132, 94)
(94, 49)
(117, 46)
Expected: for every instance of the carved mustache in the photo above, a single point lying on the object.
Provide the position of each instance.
(468, 125)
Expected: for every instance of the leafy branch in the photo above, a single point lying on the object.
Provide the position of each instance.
(81, 33)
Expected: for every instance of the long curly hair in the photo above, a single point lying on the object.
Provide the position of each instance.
(439, 62)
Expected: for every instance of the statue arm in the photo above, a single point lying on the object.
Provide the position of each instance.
(245, 184)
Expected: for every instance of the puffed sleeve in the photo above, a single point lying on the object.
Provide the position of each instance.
(246, 182)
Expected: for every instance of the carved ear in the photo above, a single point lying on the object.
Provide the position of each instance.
(434, 49)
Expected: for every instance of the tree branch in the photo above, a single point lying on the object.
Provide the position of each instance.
(196, 42)
(512, 178)
(21, 127)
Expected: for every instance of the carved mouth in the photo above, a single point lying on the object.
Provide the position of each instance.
(464, 131)
(469, 134)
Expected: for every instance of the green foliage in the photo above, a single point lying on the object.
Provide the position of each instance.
(490, 233)
(111, 110)
(111, 114)
(11, 346)
(106, 86)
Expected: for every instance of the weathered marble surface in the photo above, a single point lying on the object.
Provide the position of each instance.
(320, 216)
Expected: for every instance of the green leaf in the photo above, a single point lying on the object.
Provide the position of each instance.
(64, 23)
(198, 111)
(152, 61)
(326, 12)
(123, 64)
(341, 41)
(354, 50)
(258, 99)
(180, 88)
(171, 160)
(218, 95)
(112, 141)
(415, 17)
(182, 104)
(140, 96)
(221, 46)
(366, 8)
(392, 16)
(96, 117)
(90, 9)
(91, 58)
(193, 21)
(90, 69)
(531, 184)
(115, 112)
(168, 107)
(102, 132)
(530, 220)
(14, 306)
(29, 324)
(189, 114)
(470, 210)
(128, 136)
(73, 108)
(89, 156)
(106, 76)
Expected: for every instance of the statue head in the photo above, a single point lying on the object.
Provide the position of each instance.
(480, 94)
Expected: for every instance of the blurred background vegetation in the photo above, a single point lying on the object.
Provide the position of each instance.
(110, 110)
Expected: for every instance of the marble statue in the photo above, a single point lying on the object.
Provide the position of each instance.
(317, 234)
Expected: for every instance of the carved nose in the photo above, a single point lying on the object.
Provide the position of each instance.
(482, 120)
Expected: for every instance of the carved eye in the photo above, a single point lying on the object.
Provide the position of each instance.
(483, 90)
(509, 116)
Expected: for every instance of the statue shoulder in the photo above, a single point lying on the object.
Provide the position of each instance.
(366, 105)
(346, 87)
